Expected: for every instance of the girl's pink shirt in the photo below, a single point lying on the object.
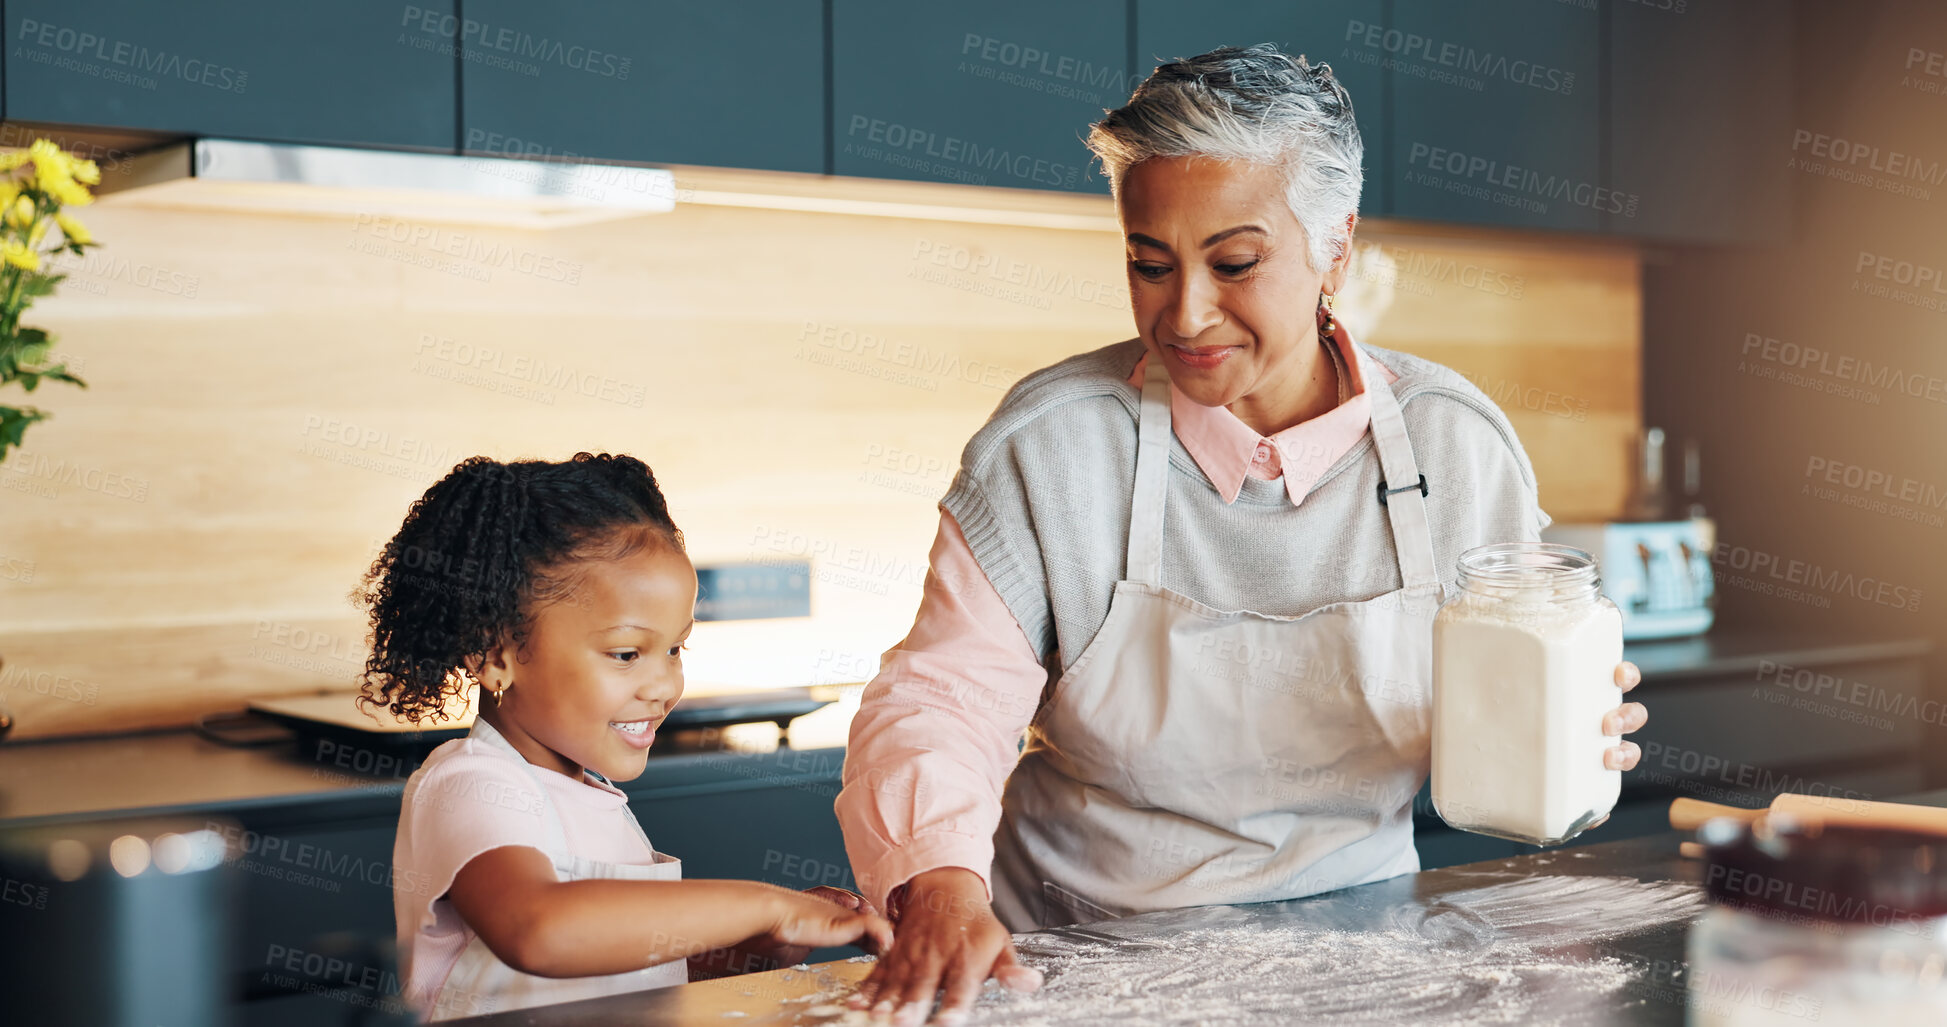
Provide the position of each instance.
(938, 729)
(467, 798)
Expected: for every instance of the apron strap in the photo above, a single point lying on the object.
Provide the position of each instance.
(550, 820)
(1145, 563)
(1403, 490)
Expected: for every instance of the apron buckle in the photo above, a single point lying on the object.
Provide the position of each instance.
(1384, 491)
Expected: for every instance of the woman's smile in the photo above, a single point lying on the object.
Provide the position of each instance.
(1201, 358)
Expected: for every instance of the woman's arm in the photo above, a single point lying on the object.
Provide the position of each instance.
(551, 928)
(938, 730)
(936, 734)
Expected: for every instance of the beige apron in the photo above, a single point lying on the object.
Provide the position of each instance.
(481, 983)
(1195, 756)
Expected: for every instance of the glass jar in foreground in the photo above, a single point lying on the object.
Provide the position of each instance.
(1524, 663)
(1819, 924)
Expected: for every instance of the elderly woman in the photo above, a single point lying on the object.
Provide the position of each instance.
(1198, 568)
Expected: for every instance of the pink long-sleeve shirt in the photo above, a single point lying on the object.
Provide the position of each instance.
(938, 730)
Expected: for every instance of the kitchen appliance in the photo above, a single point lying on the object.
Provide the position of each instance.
(1654, 567)
(394, 194)
(1657, 572)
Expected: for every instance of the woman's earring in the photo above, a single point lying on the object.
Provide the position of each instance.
(1329, 326)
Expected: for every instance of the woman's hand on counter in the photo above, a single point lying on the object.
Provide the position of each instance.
(1630, 716)
(948, 937)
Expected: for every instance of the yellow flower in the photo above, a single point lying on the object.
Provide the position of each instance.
(13, 159)
(63, 189)
(21, 214)
(12, 252)
(74, 230)
(48, 178)
(38, 233)
(46, 156)
(86, 171)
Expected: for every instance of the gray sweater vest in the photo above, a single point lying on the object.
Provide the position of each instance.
(1043, 493)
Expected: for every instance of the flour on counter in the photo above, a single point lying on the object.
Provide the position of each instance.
(1552, 910)
(1504, 953)
(1474, 957)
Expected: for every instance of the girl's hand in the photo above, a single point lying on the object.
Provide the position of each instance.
(1623, 719)
(848, 899)
(783, 953)
(799, 922)
(814, 920)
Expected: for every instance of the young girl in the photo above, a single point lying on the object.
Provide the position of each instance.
(562, 591)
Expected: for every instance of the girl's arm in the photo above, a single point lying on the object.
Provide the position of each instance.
(549, 928)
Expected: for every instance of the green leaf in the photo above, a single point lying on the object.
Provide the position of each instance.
(30, 336)
(60, 373)
(40, 284)
(28, 380)
(13, 425)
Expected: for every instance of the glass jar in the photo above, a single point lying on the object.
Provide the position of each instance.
(1524, 663)
(1811, 924)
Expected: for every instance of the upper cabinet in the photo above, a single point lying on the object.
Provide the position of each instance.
(1701, 119)
(1497, 113)
(998, 93)
(1655, 119)
(360, 74)
(737, 85)
(1328, 31)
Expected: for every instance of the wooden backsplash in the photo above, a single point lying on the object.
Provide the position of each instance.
(268, 393)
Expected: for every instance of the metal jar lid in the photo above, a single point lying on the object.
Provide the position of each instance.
(1789, 869)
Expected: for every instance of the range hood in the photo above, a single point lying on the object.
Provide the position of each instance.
(141, 169)
(241, 175)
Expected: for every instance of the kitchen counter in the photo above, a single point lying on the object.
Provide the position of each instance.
(314, 818)
(1719, 653)
(181, 771)
(1522, 938)
(1589, 935)
(174, 772)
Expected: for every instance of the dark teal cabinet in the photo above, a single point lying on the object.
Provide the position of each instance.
(998, 94)
(1629, 117)
(1497, 114)
(1325, 31)
(1701, 122)
(734, 85)
(355, 74)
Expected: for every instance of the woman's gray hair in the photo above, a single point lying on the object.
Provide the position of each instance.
(1254, 104)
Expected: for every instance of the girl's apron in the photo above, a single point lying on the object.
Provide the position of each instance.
(1194, 756)
(480, 983)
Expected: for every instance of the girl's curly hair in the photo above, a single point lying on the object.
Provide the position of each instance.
(480, 552)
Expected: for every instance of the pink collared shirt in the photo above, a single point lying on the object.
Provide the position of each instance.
(938, 730)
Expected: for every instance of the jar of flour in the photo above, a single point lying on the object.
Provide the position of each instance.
(1524, 663)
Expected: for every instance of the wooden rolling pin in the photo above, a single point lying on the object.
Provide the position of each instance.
(1689, 814)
